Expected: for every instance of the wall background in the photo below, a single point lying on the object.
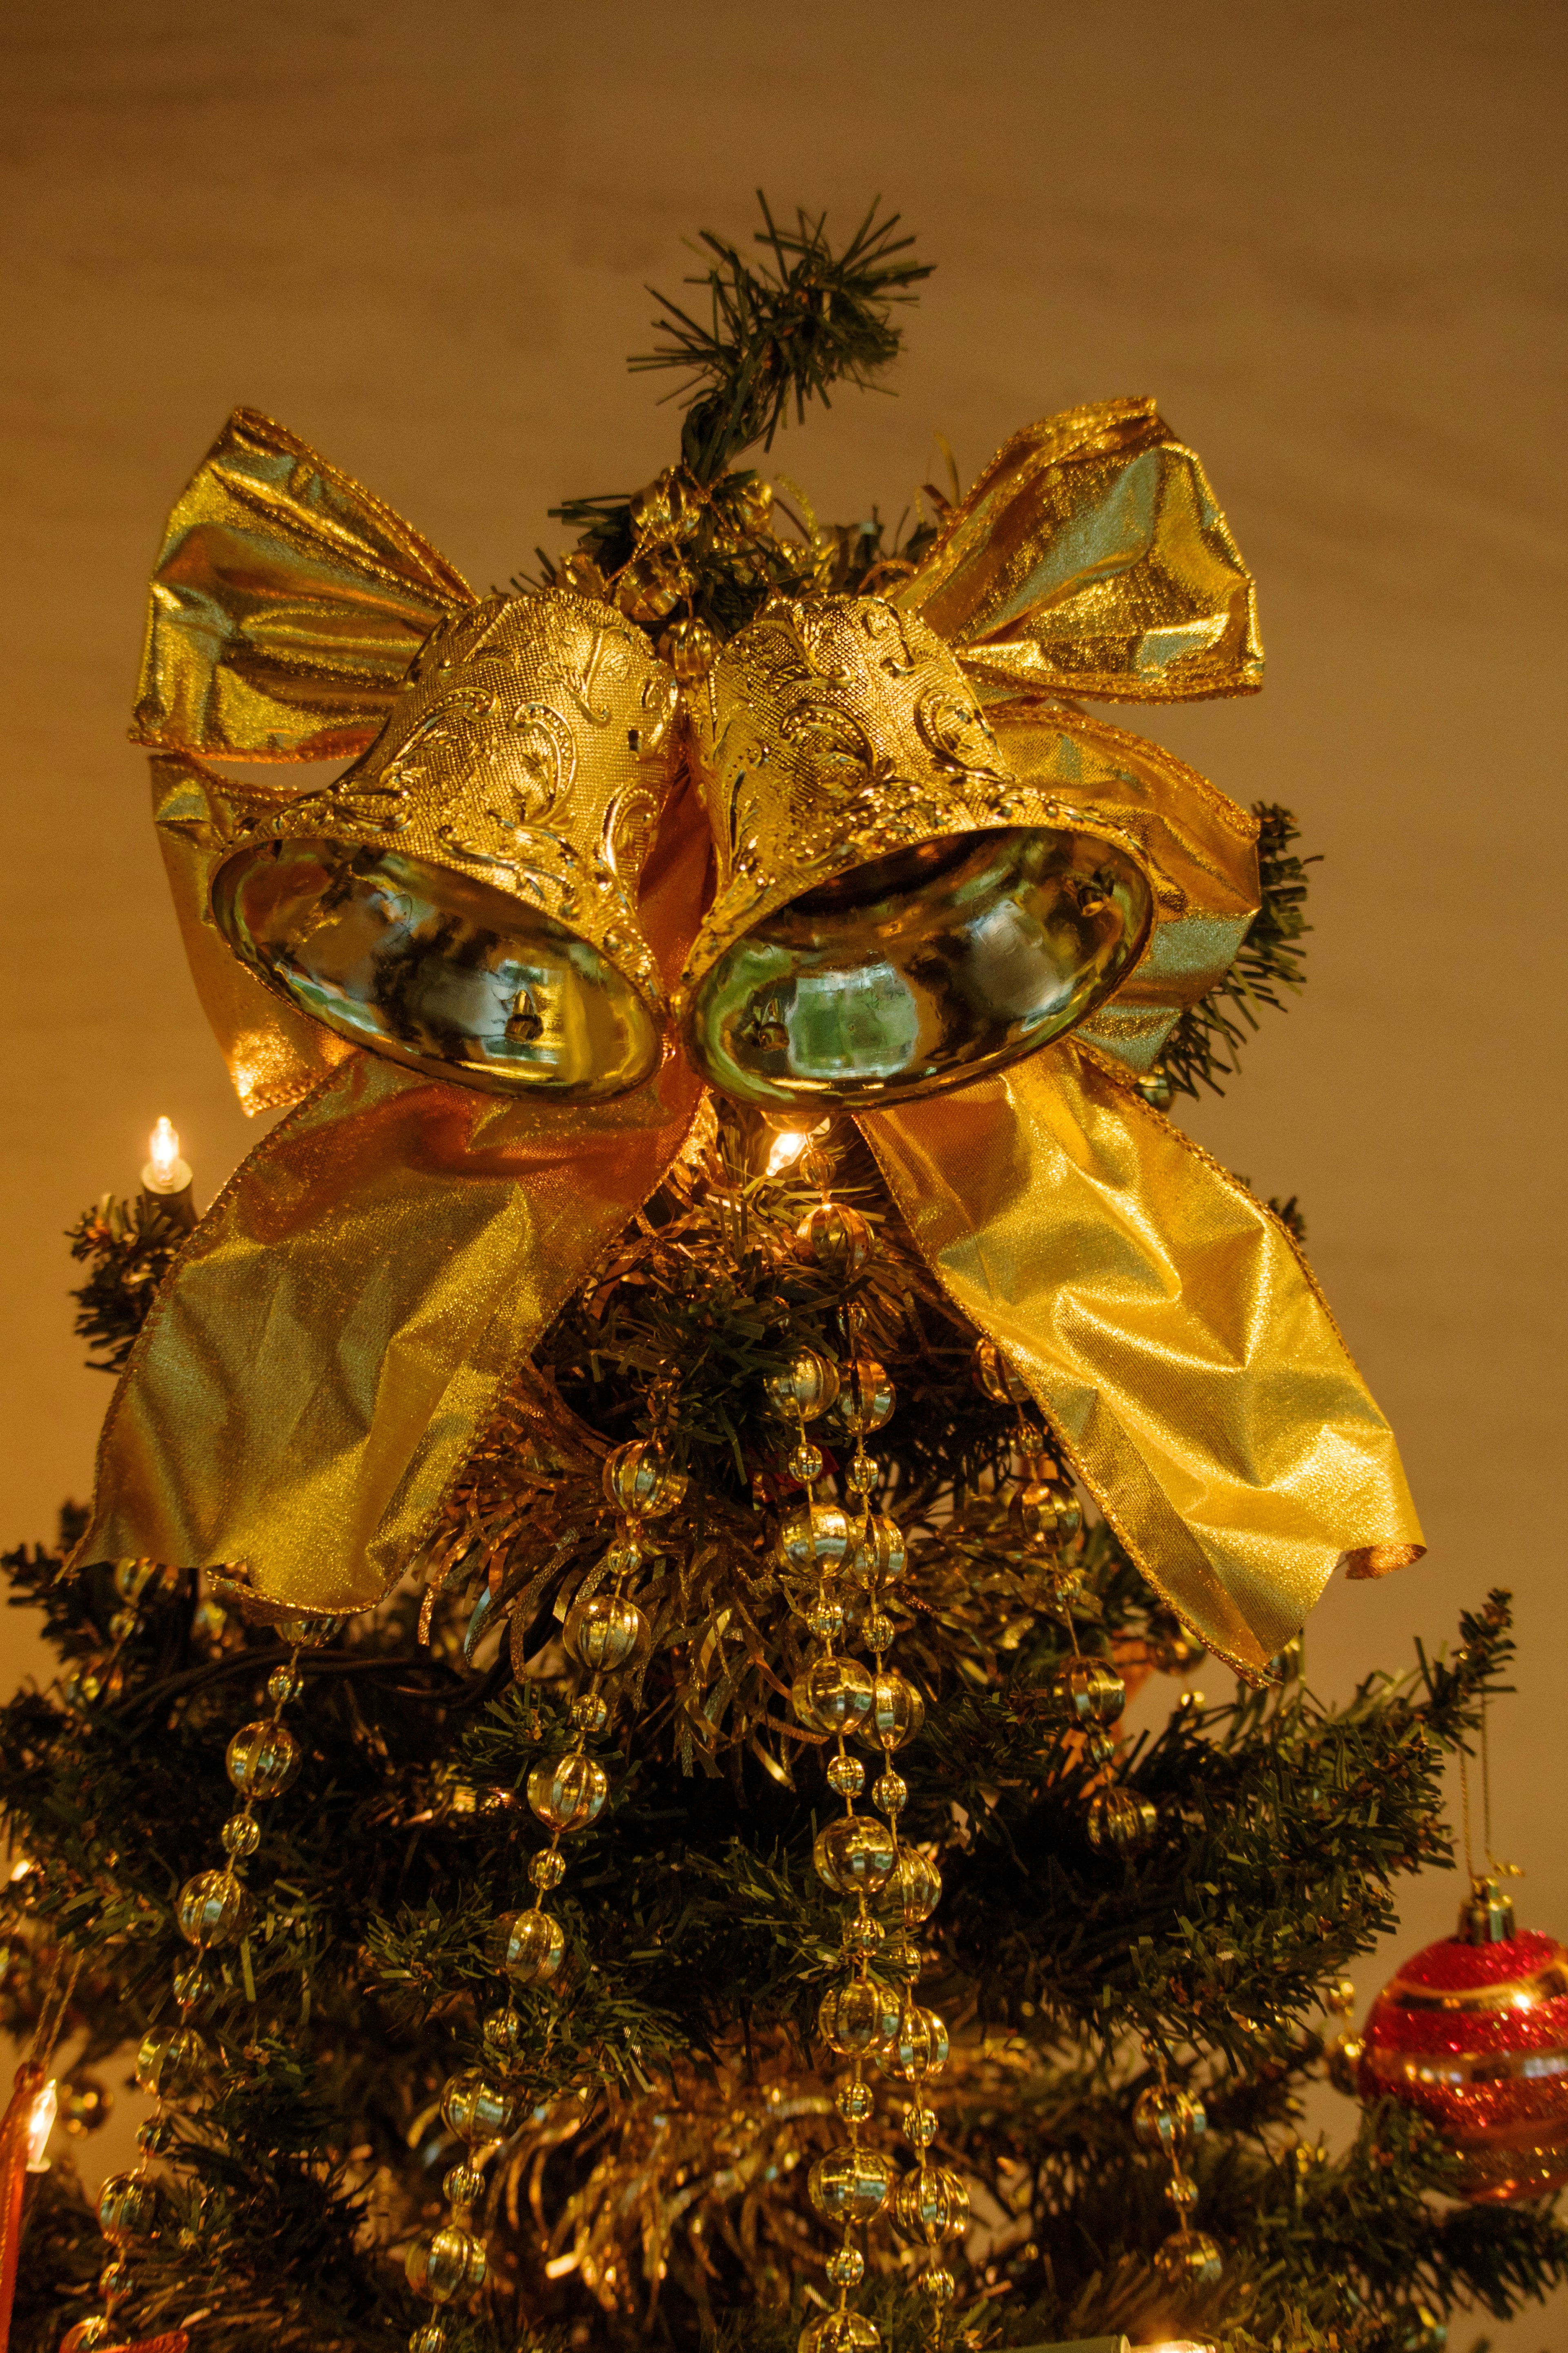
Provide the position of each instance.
(1328, 237)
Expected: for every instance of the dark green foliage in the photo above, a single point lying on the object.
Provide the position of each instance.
(129, 1247)
(1206, 1045)
(780, 336)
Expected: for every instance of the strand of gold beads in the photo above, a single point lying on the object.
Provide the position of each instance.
(825, 1555)
(604, 1632)
(213, 1911)
(1169, 2121)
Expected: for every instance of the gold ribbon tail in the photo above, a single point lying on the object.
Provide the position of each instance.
(1176, 1343)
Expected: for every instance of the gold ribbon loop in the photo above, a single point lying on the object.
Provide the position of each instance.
(1171, 1333)
(1092, 557)
(286, 604)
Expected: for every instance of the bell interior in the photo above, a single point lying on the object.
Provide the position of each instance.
(921, 970)
(436, 969)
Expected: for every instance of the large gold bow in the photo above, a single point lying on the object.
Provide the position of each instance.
(340, 1327)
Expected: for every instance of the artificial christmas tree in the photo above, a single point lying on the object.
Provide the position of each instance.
(587, 1767)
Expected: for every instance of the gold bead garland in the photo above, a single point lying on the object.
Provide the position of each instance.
(839, 1563)
(1169, 2121)
(213, 1910)
(604, 1633)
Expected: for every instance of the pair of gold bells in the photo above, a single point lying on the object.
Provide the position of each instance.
(893, 915)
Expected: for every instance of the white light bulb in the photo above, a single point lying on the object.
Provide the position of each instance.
(787, 1147)
(165, 1171)
(40, 2125)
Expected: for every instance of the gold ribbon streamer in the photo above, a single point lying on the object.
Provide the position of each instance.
(333, 1336)
(1171, 1334)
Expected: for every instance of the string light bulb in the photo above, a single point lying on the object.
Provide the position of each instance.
(40, 2125)
(788, 1147)
(164, 1172)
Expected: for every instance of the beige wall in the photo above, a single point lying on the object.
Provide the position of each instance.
(1328, 236)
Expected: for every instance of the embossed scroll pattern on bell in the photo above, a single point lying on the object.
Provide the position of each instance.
(465, 897)
(897, 913)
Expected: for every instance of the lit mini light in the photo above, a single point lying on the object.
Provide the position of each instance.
(165, 1171)
(40, 2125)
(788, 1147)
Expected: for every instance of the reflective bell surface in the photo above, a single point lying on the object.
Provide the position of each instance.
(896, 915)
(923, 970)
(464, 897)
(435, 968)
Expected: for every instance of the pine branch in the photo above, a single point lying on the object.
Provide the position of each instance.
(782, 335)
(1206, 1045)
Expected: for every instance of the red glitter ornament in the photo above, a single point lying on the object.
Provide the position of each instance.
(1473, 2033)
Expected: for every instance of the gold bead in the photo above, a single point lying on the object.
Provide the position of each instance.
(239, 1837)
(897, 1710)
(172, 2063)
(863, 1932)
(1000, 1380)
(131, 1578)
(84, 2105)
(1120, 1821)
(127, 2208)
(640, 1479)
(919, 2125)
(832, 1694)
(855, 2101)
(865, 1395)
(826, 1616)
(590, 1713)
(1190, 2259)
(87, 2336)
(914, 1890)
(879, 1631)
(122, 1625)
(816, 1538)
(547, 1869)
(1085, 1692)
(501, 2031)
(806, 1462)
(283, 1684)
(578, 572)
(1341, 2063)
(93, 1683)
(851, 2184)
(882, 1557)
(853, 1853)
(190, 1984)
(430, 2339)
(834, 1236)
(262, 1759)
(444, 2265)
(839, 2332)
(604, 1632)
(846, 1776)
(938, 2284)
(932, 2204)
(861, 1477)
(807, 1385)
(309, 1632)
(745, 500)
(690, 648)
(652, 585)
(1174, 1647)
(213, 1909)
(900, 1959)
(476, 2110)
(529, 1945)
(889, 1793)
(1182, 2192)
(845, 2267)
(1043, 1514)
(917, 2048)
(1166, 2118)
(568, 1792)
(463, 2186)
(857, 2017)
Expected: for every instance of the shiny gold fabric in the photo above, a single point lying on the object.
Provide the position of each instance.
(332, 1337)
(1171, 1334)
(1092, 557)
(287, 604)
(338, 1328)
(275, 1053)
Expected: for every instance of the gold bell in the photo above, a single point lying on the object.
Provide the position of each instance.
(896, 913)
(464, 897)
